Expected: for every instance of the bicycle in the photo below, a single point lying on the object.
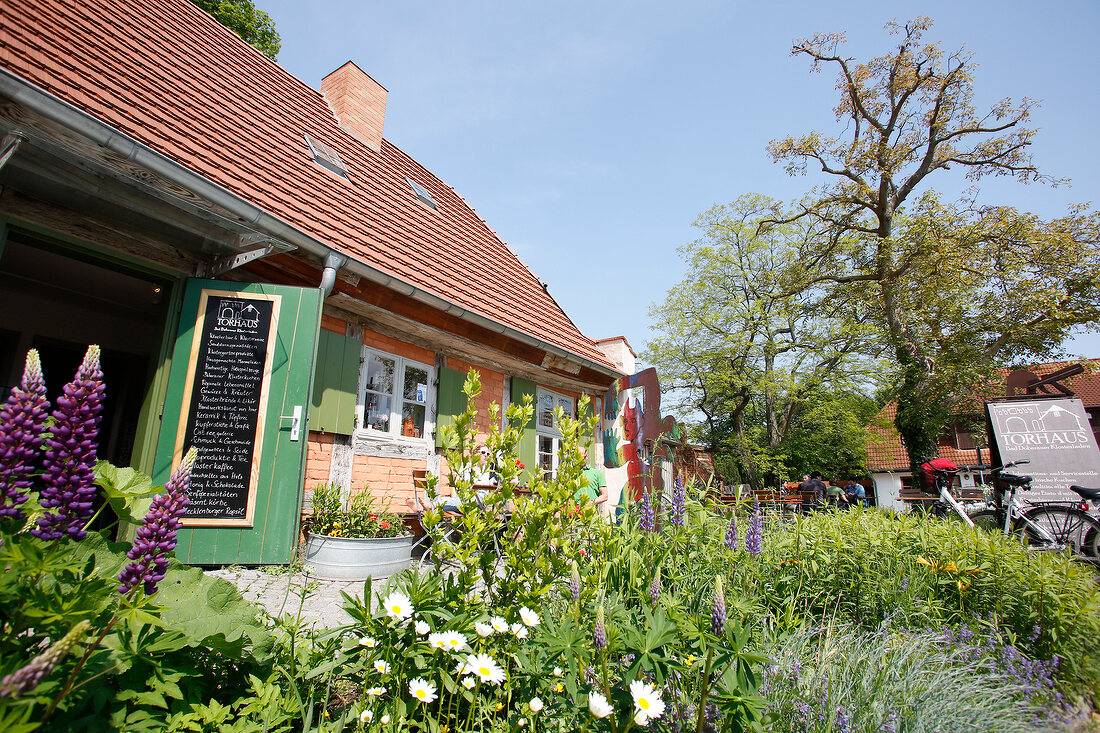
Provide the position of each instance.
(1051, 526)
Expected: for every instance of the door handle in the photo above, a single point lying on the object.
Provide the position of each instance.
(295, 422)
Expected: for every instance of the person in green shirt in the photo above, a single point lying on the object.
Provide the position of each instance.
(595, 487)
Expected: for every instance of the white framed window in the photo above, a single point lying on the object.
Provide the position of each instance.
(396, 396)
(547, 434)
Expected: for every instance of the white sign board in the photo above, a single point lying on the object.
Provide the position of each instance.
(1056, 436)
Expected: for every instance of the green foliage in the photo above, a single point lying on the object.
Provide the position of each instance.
(143, 656)
(361, 518)
(861, 566)
(537, 531)
(253, 25)
(829, 436)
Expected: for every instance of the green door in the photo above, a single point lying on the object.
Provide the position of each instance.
(239, 391)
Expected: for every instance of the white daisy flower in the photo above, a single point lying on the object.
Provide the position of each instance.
(499, 625)
(485, 667)
(436, 641)
(454, 641)
(462, 668)
(557, 671)
(366, 716)
(519, 630)
(522, 722)
(385, 719)
(398, 606)
(376, 691)
(647, 701)
(382, 666)
(641, 719)
(529, 617)
(468, 682)
(368, 641)
(535, 704)
(422, 691)
(598, 705)
(422, 628)
(483, 629)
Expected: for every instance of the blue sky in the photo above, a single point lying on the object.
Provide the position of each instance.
(590, 135)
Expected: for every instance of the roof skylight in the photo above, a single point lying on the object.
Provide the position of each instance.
(326, 157)
(422, 194)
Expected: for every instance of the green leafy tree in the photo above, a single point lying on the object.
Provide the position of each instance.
(253, 25)
(958, 288)
(830, 436)
(743, 340)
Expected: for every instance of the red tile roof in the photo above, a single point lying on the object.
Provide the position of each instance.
(885, 451)
(167, 74)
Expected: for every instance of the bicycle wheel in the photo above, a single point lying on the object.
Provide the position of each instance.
(989, 520)
(1070, 527)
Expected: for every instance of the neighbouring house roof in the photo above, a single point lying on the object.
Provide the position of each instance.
(885, 451)
(171, 77)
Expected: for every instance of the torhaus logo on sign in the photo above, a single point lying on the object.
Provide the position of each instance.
(1032, 426)
(238, 314)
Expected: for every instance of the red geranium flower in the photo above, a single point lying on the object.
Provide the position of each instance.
(373, 516)
(520, 465)
(384, 524)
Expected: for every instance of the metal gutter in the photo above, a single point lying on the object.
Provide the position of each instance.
(97, 131)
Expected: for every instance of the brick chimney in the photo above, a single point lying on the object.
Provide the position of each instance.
(359, 103)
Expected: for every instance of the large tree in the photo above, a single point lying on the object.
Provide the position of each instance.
(959, 288)
(253, 25)
(742, 347)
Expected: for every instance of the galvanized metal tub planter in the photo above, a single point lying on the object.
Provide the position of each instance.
(356, 558)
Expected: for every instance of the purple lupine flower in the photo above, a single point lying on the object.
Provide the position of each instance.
(890, 725)
(27, 677)
(157, 535)
(599, 634)
(68, 474)
(731, 532)
(22, 419)
(754, 537)
(655, 586)
(648, 519)
(575, 582)
(718, 610)
(843, 720)
(677, 507)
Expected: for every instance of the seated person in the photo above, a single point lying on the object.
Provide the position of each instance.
(836, 497)
(481, 474)
(855, 493)
(816, 485)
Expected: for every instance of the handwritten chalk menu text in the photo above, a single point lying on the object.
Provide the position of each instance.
(226, 400)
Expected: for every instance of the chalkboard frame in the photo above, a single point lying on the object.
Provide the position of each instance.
(248, 520)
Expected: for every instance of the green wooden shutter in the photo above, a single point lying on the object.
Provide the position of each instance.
(451, 400)
(527, 443)
(336, 384)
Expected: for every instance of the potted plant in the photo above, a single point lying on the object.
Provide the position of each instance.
(356, 542)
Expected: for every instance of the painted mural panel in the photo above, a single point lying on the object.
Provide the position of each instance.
(633, 428)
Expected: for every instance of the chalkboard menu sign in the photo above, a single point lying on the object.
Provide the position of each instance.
(1055, 435)
(225, 401)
